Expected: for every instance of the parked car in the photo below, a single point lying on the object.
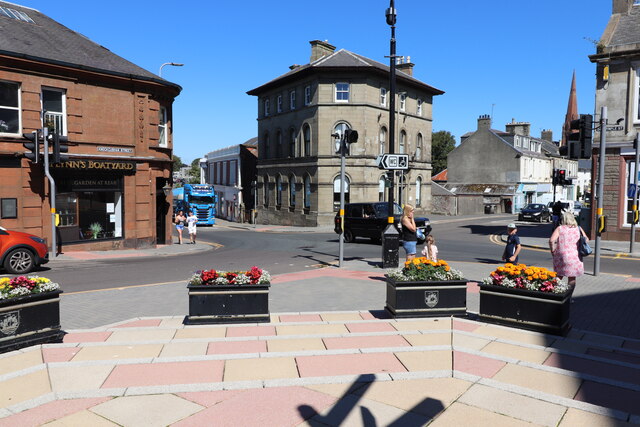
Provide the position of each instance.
(21, 253)
(534, 212)
(370, 220)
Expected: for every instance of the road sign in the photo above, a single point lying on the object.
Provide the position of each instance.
(614, 127)
(393, 161)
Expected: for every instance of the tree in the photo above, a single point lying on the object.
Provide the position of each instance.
(194, 172)
(177, 163)
(442, 142)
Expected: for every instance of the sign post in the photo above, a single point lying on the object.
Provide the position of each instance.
(634, 212)
(600, 219)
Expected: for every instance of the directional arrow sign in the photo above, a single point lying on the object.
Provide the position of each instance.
(393, 161)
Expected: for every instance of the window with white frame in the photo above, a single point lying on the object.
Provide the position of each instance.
(403, 141)
(279, 103)
(306, 134)
(419, 107)
(162, 127)
(418, 155)
(419, 191)
(338, 130)
(267, 107)
(342, 92)
(9, 107)
(336, 192)
(383, 140)
(381, 188)
(383, 97)
(292, 100)
(403, 101)
(307, 95)
(53, 104)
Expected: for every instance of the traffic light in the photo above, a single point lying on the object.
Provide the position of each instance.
(59, 146)
(579, 143)
(554, 177)
(33, 145)
(562, 176)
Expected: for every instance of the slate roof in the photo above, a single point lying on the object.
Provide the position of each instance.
(48, 41)
(628, 29)
(342, 59)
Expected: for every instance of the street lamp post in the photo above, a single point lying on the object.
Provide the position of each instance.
(390, 235)
(173, 64)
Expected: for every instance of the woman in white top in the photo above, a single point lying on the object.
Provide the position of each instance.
(192, 220)
(430, 249)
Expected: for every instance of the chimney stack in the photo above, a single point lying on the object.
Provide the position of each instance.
(621, 6)
(320, 49)
(547, 135)
(484, 122)
(406, 66)
(518, 128)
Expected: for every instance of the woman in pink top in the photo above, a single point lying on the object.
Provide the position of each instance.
(564, 249)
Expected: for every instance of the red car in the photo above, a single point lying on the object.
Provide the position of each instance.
(21, 253)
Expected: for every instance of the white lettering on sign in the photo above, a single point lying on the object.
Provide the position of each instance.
(115, 150)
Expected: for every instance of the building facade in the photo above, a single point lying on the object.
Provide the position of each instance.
(111, 192)
(302, 113)
(618, 88)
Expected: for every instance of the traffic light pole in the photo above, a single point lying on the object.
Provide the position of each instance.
(52, 192)
(634, 212)
(600, 184)
(342, 167)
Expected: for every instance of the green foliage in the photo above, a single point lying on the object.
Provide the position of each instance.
(442, 142)
(177, 163)
(194, 172)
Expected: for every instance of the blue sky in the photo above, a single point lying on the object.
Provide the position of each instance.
(513, 58)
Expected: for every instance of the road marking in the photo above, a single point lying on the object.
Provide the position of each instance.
(122, 288)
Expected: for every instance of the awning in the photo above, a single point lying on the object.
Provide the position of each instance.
(529, 188)
(544, 188)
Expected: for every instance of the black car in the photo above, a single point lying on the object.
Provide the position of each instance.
(370, 220)
(535, 212)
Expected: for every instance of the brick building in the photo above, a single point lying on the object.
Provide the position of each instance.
(117, 117)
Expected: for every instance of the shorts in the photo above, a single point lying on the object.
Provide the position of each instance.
(179, 226)
(192, 229)
(410, 247)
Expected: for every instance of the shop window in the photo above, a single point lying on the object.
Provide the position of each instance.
(9, 208)
(9, 107)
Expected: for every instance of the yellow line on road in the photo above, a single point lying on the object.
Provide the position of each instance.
(121, 288)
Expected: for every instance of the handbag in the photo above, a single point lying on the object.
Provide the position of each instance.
(583, 246)
(419, 234)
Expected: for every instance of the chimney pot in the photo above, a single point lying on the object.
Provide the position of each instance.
(320, 49)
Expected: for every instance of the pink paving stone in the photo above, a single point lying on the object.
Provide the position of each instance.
(86, 337)
(601, 369)
(251, 331)
(209, 398)
(365, 342)
(300, 318)
(473, 288)
(140, 323)
(476, 365)
(278, 406)
(148, 374)
(375, 314)
(609, 396)
(50, 411)
(370, 327)
(348, 364)
(55, 354)
(237, 347)
(632, 279)
(465, 326)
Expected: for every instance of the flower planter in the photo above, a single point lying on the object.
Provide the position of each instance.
(29, 320)
(228, 304)
(426, 299)
(536, 311)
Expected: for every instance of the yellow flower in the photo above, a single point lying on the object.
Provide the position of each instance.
(529, 278)
(4, 281)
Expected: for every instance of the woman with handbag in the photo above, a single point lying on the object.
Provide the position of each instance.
(564, 248)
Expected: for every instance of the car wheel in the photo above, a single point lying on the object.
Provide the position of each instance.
(19, 261)
(348, 236)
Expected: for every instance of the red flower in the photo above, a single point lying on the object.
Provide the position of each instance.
(254, 275)
(22, 282)
(209, 276)
(231, 277)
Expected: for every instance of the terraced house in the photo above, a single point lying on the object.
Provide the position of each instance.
(112, 190)
(301, 112)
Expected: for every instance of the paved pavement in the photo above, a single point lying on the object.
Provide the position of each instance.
(329, 356)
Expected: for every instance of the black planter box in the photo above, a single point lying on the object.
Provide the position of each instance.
(536, 311)
(30, 320)
(426, 299)
(228, 304)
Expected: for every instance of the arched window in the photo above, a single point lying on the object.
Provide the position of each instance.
(307, 192)
(292, 142)
(266, 146)
(292, 191)
(403, 141)
(419, 191)
(339, 131)
(265, 191)
(419, 147)
(278, 191)
(381, 189)
(336, 192)
(279, 144)
(383, 140)
(306, 132)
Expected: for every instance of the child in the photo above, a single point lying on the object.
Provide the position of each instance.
(513, 247)
(430, 249)
(192, 220)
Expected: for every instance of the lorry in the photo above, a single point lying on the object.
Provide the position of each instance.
(198, 198)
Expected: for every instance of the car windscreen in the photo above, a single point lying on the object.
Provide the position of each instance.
(534, 207)
(382, 210)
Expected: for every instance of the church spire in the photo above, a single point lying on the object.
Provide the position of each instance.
(572, 112)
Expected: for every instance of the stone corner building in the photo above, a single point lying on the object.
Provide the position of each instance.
(117, 118)
(298, 171)
(618, 88)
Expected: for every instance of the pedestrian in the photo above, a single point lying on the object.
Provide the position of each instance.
(192, 220)
(512, 250)
(556, 211)
(563, 244)
(408, 235)
(180, 222)
(430, 250)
